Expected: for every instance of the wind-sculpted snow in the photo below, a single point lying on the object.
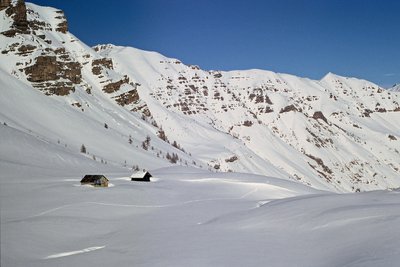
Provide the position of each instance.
(245, 163)
(70, 253)
(189, 217)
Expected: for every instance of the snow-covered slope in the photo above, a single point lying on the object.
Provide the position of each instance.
(131, 107)
(60, 90)
(337, 131)
(395, 88)
(190, 217)
(67, 110)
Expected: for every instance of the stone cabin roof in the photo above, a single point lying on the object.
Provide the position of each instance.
(91, 178)
(140, 174)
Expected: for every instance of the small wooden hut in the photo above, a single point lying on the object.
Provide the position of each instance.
(141, 176)
(95, 180)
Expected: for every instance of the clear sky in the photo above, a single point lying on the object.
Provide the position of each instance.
(356, 38)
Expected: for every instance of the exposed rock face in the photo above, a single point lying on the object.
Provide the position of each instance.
(97, 65)
(244, 104)
(288, 109)
(115, 86)
(44, 69)
(26, 49)
(319, 115)
(325, 171)
(4, 4)
(122, 97)
(18, 13)
(54, 71)
(54, 74)
(232, 159)
(247, 123)
(259, 97)
(367, 112)
(63, 25)
(127, 98)
(39, 25)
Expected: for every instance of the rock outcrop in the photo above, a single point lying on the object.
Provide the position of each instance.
(4, 4)
(115, 86)
(271, 115)
(18, 13)
(99, 64)
(52, 70)
(53, 75)
(319, 115)
(63, 25)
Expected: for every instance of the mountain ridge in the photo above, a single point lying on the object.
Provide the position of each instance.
(336, 133)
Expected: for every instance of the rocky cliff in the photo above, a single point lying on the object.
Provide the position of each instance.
(333, 130)
(42, 51)
(336, 133)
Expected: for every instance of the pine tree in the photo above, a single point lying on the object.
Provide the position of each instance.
(148, 139)
(130, 139)
(175, 158)
(135, 167)
(146, 143)
(162, 136)
(83, 149)
(175, 144)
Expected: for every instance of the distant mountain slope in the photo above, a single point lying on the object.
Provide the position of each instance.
(395, 88)
(55, 87)
(133, 107)
(338, 130)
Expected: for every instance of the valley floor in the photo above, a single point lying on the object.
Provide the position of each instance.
(189, 217)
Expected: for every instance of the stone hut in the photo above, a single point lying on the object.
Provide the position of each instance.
(95, 180)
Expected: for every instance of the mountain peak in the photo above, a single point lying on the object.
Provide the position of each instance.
(395, 88)
(331, 134)
(28, 18)
(331, 75)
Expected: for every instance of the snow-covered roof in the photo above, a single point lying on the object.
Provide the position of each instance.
(139, 174)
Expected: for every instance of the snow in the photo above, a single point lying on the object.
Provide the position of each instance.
(395, 88)
(5, 21)
(138, 174)
(189, 217)
(267, 205)
(275, 142)
(65, 254)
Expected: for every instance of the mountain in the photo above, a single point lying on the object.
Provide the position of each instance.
(140, 109)
(67, 110)
(395, 88)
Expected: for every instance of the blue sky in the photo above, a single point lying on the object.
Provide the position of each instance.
(357, 38)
